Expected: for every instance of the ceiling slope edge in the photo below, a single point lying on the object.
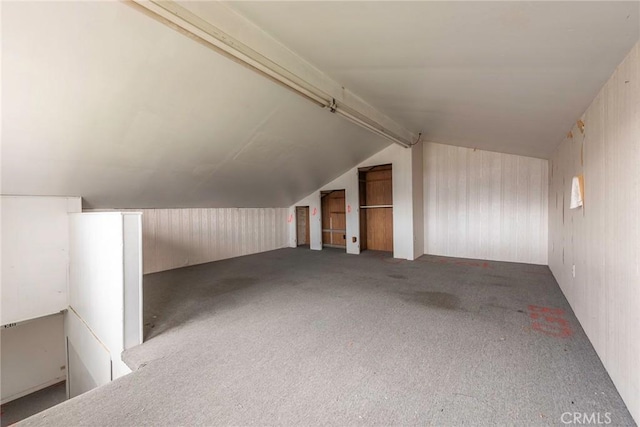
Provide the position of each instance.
(224, 30)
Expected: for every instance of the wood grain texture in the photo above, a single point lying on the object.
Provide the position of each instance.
(302, 225)
(480, 204)
(334, 218)
(379, 229)
(602, 238)
(377, 187)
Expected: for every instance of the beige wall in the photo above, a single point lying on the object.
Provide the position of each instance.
(174, 238)
(602, 239)
(480, 204)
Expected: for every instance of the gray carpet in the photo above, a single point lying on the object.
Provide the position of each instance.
(299, 337)
(33, 403)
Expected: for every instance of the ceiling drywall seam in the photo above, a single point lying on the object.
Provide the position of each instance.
(312, 84)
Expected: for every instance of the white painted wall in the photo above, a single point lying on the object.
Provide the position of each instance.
(403, 210)
(35, 255)
(417, 176)
(174, 238)
(481, 204)
(105, 286)
(88, 359)
(32, 356)
(96, 288)
(35, 261)
(602, 239)
(133, 266)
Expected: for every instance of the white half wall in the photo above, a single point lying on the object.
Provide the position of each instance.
(602, 239)
(35, 262)
(35, 255)
(486, 205)
(89, 360)
(174, 238)
(403, 204)
(96, 285)
(32, 356)
(105, 287)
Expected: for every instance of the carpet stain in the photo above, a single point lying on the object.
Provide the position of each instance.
(397, 276)
(501, 307)
(442, 300)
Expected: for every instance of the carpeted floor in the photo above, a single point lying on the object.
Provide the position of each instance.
(33, 403)
(299, 337)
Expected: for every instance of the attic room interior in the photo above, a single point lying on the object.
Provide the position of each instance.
(320, 213)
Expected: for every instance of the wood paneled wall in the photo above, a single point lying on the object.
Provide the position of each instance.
(480, 204)
(174, 238)
(602, 239)
(378, 187)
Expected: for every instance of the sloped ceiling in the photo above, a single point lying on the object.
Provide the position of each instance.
(101, 101)
(509, 76)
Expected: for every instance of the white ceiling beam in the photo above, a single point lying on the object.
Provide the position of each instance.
(219, 27)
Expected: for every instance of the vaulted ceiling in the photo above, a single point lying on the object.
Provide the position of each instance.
(507, 76)
(99, 100)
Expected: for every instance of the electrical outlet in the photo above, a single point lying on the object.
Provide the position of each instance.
(573, 270)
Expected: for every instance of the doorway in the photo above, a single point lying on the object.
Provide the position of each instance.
(302, 226)
(334, 219)
(376, 208)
